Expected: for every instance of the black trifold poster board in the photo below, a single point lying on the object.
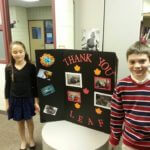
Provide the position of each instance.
(76, 86)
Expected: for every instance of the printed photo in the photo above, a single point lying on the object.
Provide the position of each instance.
(47, 90)
(102, 83)
(73, 79)
(44, 74)
(74, 96)
(102, 100)
(50, 110)
(90, 39)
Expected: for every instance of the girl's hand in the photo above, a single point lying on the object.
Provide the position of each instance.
(37, 107)
(6, 105)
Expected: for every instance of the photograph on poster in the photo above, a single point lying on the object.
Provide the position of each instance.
(50, 110)
(90, 39)
(73, 79)
(102, 100)
(102, 83)
(74, 96)
(44, 74)
(47, 90)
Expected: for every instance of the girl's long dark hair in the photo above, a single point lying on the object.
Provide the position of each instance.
(12, 61)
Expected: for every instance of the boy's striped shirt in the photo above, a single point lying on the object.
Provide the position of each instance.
(131, 106)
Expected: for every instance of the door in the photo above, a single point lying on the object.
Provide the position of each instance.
(36, 29)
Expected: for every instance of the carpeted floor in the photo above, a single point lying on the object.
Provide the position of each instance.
(9, 136)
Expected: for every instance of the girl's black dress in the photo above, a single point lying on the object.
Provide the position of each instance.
(21, 91)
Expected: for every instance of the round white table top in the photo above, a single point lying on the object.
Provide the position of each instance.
(64, 135)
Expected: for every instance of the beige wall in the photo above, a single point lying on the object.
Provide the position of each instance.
(20, 31)
(21, 15)
(146, 22)
(39, 13)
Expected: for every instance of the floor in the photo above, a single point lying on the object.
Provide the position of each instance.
(9, 137)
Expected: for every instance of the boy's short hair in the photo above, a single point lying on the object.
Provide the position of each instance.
(138, 48)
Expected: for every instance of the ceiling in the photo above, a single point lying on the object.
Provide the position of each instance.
(30, 4)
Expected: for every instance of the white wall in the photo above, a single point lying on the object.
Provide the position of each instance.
(122, 28)
(88, 16)
(64, 16)
(2, 77)
(146, 6)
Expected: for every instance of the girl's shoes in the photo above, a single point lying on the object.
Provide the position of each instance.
(23, 149)
(32, 147)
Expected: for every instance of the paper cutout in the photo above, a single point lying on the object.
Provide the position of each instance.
(47, 60)
(98, 111)
(97, 71)
(77, 105)
(101, 122)
(86, 91)
(77, 68)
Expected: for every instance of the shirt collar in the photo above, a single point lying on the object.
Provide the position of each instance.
(142, 81)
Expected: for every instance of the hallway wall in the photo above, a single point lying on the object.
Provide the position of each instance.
(2, 77)
(20, 31)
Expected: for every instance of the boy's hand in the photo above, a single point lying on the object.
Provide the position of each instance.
(111, 147)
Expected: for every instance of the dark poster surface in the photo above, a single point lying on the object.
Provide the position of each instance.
(76, 85)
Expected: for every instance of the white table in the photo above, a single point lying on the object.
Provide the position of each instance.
(64, 135)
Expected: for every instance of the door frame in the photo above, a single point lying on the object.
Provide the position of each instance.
(5, 28)
(54, 23)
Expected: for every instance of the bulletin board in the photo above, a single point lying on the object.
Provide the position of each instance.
(76, 86)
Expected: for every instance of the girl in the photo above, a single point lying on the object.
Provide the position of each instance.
(21, 92)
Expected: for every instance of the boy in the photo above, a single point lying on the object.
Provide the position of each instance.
(130, 107)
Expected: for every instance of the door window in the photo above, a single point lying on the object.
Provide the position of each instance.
(48, 31)
(2, 48)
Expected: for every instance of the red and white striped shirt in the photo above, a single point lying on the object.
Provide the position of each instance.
(130, 108)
